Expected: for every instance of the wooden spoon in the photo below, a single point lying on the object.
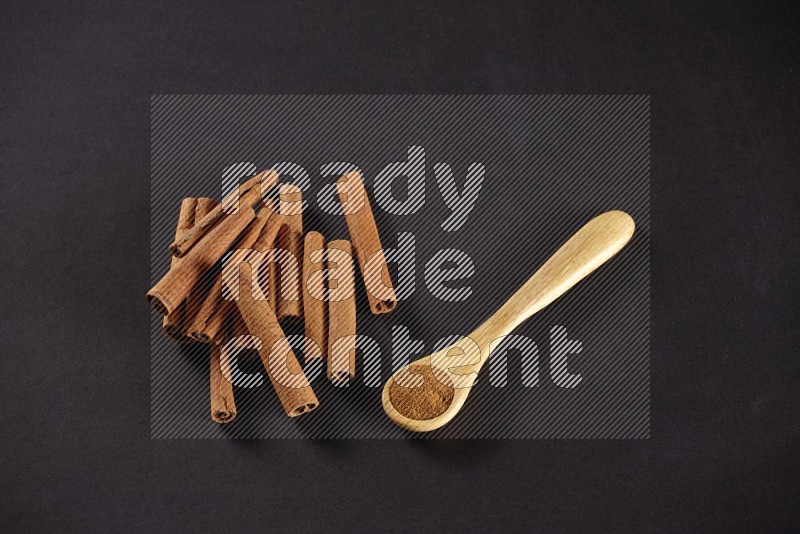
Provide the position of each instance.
(435, 401)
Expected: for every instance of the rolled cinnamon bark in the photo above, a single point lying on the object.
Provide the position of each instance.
(246, 195)
(283, 369)
(237, 325)
(291, 240)
(269, 234)
(202, 328)
(173, 323)
(341, 312)
(274, 281)
(198, 293)
(175, 286)
(223, 406)
(205, 205)
(214, 328)
(237, 329)
(367, 243)
(274, 284)
(314, 306)
(265, 241)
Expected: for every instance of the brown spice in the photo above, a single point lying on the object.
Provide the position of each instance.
(197, 296)
(266, 242)
(266, 239)
(250, 192)
(175, 286)
(283, 369)
(316, 344)
(173, 324)
(210, 313)
(367, 243)
(425, 401)
(341, 312)
(223, 406)
(274, 284)
(235, 327)
(290, 306)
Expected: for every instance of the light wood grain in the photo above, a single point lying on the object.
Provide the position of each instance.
(594, 244)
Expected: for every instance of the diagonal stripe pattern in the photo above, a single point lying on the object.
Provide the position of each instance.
(551, 164)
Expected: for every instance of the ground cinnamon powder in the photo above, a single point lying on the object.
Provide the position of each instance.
(426, 401)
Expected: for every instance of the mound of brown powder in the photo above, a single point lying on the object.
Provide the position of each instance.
(425, 401)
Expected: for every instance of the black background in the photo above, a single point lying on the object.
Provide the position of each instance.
(76, 85)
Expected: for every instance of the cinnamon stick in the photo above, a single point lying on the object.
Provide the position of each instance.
(274, 284)
(266, 244)
(205, 205)
(223, 406)
(283, 369)
(291, 240)
(314, 297)
(267, 237)
(341, 312)
(236, 325)
(214, 328)
(173, 323)
(245, 195)
(202, 328)
(175, 286)
(198, 293)
(273, 275)
(367, 243)
(263, 243)
(247, 344)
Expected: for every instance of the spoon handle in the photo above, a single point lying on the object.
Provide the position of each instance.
(588, 249)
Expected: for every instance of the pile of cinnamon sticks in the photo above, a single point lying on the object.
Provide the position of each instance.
(243, 267)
